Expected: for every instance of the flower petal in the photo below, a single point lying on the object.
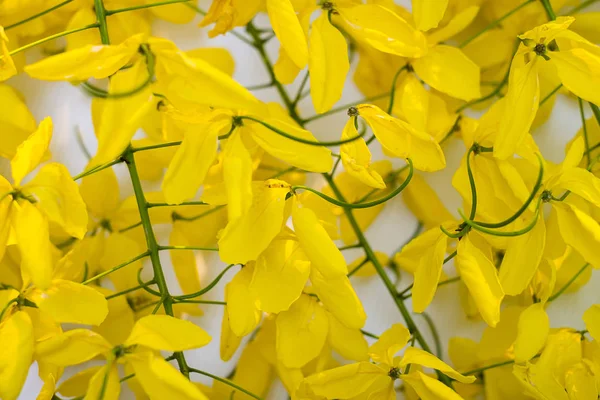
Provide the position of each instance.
(163, 332)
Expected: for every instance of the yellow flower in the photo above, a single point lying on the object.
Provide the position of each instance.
(377, 378)
(575, 60)
(139, 352)
(7, 65)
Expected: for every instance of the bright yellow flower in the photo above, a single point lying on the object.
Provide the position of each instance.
(149, 335)
(378, 378)
(7, 65)
(575, 60)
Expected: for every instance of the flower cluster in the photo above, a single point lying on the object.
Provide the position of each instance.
(232, 174)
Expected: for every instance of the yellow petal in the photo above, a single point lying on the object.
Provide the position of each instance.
(104, 384)
(301, 155)
(244, 316)
(32, 151)
(348, 381)
(522, 258)
(356, 158)
(280, 274)
(72, 302)
(77, 384)
(458, 23)
(428, 13)
(479, 274)
(389, 343)
(253, 372)
(237, 174)
(349, 343)
(58, 197)
(216, 56)
(16, 336)
(450, 71)
(184, 262)
(122, 117)
(229, 342)
(579, 181)
(580, 231)
(580, 382)
(384, 30)
(424, 203)
(402, 140)
(17, 121)
(31, 231)
(286, 26)
(191, 162)
(533, 329)
(412, 102)
(432, 248)
(91, 61)
(328, 64)
(71, 348)
(521, 104)
(174, 13)
(577, 69)
(413, 355)
(319, 248)
(7, 65)
(428, 388)
(100, 192)
(161, 380)
(591, 317)
(339, 298)
(246, 237)
(163, 332)
(301, 332)
(189, 82)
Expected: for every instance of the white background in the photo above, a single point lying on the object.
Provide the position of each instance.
(69, 108)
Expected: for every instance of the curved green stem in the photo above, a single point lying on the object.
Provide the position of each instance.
(37, 15)
(495, 23)
(207, 288)
(345, 107)
(227, 382)
(500, 233)
(585, 131)
(51, 37)
(150, 64)
(472, 184)
(369, 204)
(393, 89)
(118, 267)
(305, 141)
(525, 206)
(569, 283)
(143, 6)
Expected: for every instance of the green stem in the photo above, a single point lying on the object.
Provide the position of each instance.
(549, 95)
(569, 283)
(226, 381)
(369, 204)
(161, 248)
(479, 370)
(549, 11)
(37, 15)
(369, 334)
(97, 168)
(101, 18)
(404, 294)
(126, 291)
(358, 267)
(472, 184)
(305, 141)
(434, 332)
(185, 203)
(143, 6)
(52, 37)
(118, 267)
(213, 302)
(494, 23)
(520, 232)
(525, 206)
(153, 247)
(345, 107)
(156, 146)
(410, 323)
(393, 88)
(207, 288)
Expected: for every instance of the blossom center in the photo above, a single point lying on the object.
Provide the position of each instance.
(540, 49)
(394, 373)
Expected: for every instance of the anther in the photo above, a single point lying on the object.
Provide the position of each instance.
(352, 112)
(540, 49)
(394, 373)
